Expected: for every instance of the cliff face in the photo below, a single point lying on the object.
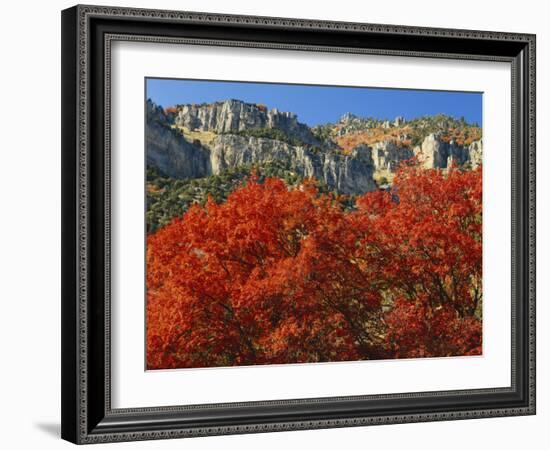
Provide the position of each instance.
(194, 141)
(175, 156)
(387, 155)
(476, 154)
(232, 116)
(436, 153)
(433, 153)
(169, 152)
(349, 174)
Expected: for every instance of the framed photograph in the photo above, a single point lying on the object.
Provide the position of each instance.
(280, 224)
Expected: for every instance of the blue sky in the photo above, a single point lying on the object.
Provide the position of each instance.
(316, 105)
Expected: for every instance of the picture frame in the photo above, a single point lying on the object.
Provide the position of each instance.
(88, 33)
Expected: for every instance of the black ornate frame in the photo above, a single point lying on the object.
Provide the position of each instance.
(87, 34)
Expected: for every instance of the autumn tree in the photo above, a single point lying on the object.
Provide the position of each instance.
(279, 275)
(426, 243)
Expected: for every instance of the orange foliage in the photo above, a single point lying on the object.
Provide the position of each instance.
(282, 276)
(154, 189)
(350, 140)
(461, 136)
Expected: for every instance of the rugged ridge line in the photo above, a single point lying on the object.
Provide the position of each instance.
(349, 174)
(169, 152)
(232, 116)
(178, 156)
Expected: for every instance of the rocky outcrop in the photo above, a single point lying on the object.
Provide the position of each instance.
(169, 152)
(399, 121)
(387, 155)
(475, 153)
(349, 174)
(436, 153)
(232, 116)
(348, 118)
(173, 155)
(349, 123)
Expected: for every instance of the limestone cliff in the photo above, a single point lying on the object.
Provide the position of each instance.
(169, 152)
(349, 174)
(231, 116)
(437, 153)
(174, 155)
(387, 155)
(194, 141)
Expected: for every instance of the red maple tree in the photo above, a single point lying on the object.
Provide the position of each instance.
(274, 275)
(426, 237)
